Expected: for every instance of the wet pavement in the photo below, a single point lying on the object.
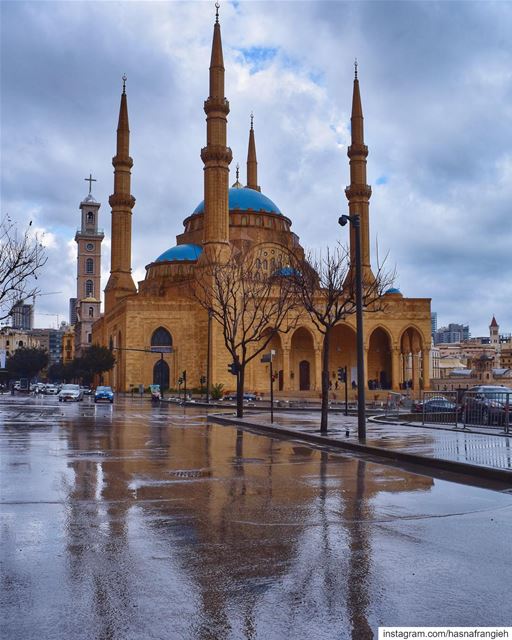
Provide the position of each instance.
(459, 445)
(132, 521)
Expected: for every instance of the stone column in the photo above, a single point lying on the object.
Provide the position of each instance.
(318, 370)
(416, 373)
(425, 369)
(395, 368)
(365, 360)
(287, 381)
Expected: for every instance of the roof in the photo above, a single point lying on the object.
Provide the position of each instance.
(181, 253)
(246, 199)
(494, 323)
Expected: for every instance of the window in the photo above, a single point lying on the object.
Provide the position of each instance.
(89, 288)
(20, 343)
(244, 220)
(89, 337)
(161, 338)
(89, 265)
(90, 217)
(91, 312)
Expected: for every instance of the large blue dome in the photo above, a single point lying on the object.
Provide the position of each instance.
(246, 199)
(182, 253)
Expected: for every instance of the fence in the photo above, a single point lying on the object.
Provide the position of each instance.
(487, 407)
(438, 408)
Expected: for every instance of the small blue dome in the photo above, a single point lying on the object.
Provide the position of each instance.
(245, 199)
(393, 290)
(286, 272)
(181, 253)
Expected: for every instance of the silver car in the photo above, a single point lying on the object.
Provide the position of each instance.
(71, 392)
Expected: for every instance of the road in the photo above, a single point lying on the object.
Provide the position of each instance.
(132, 521)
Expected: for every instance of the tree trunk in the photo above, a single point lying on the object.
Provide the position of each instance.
(240, 393)
(325, 381)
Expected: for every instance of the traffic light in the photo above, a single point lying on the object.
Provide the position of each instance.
(234, 368)
(180, 381)
(202, 380)
(341, 374)
(184, 376)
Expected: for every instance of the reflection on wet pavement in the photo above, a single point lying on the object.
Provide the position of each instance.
(135, 521)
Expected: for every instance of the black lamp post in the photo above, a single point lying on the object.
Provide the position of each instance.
(355, 221)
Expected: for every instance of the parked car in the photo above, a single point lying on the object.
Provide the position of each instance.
(51, 390)
(104, 393)
(248, 397)
(435, 405)
(487, 405)
(87, 391)
(71, 392)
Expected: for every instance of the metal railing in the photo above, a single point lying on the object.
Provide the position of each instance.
(487, 408)
(438, 408)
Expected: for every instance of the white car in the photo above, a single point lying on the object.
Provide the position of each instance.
(71, 392)
(51, 390)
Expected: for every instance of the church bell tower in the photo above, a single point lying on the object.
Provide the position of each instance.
(88, 274)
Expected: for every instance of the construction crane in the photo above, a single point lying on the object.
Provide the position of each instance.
(38, 295)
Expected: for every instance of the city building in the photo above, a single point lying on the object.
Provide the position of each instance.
(433, 316)
(88, 274)
(22, 316)
(12, 339)
(452, 333)
(160, 313)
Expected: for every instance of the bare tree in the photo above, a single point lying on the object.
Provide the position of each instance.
(325, 284)
(21, 257)
(250, 304)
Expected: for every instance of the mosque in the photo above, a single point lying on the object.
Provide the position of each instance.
(158, 330)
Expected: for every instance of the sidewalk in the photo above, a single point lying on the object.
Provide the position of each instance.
(482, 455)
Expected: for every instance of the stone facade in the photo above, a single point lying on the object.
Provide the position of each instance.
(161, 313)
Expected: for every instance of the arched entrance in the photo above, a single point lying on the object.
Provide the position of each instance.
(161, 341)
(302, 360)
(379, 360)
(161, 374)
(411, 359)
(304, 376)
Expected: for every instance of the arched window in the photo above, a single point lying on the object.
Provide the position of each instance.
(90, 217)
(89, 265)
(265, 265)
(89, 338)
(91, 312)
(161, 339)
(244, 220)
(258, 263)
(272, 264)
(20, 343)
(89, 288)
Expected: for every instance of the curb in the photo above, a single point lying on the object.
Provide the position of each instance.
(465, 468)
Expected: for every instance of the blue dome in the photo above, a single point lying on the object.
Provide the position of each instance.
(286, 272)
(245, 199)
(182, 253)
(393, 290)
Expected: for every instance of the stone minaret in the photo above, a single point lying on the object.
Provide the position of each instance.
(216, 155)
(88, 272)
(359, 193)
(120, 282)
(252, 162)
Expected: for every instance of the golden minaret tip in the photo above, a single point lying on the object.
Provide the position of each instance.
(217, 6)
(124, 83)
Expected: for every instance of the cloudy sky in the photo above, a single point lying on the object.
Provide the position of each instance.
(436, 84)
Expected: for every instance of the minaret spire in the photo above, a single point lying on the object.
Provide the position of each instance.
(121, 283)
(216, 155)
(252, 162)
(358, 193)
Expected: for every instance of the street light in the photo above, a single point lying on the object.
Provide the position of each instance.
(355, 221)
